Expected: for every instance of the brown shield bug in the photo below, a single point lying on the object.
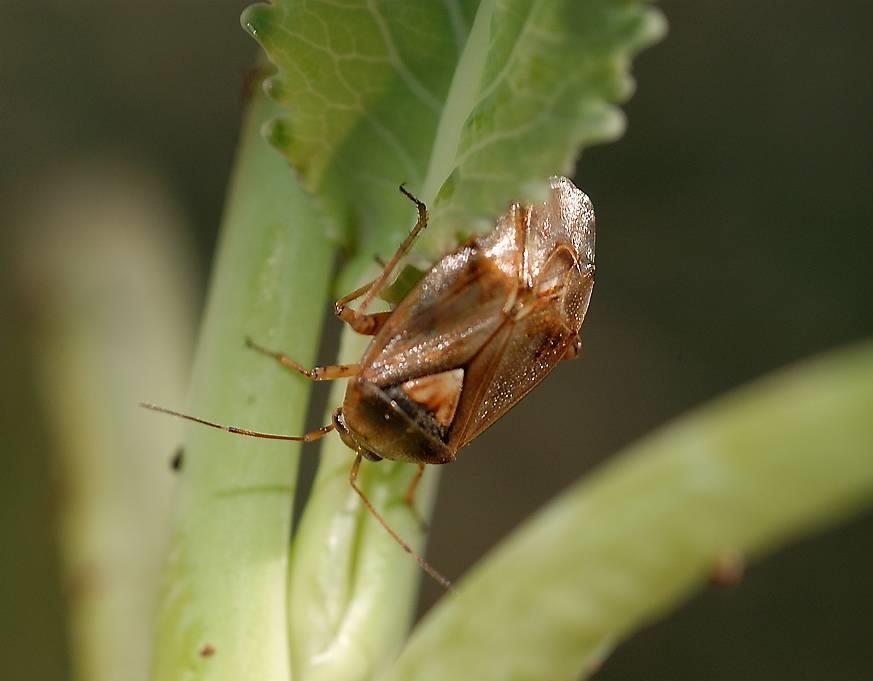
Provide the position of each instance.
(470, 339)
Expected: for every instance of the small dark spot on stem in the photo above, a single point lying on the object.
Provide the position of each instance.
(178, 459)
(728, 570)
(208, 650)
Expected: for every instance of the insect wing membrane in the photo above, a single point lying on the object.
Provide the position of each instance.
(567, 218)
(558, 267)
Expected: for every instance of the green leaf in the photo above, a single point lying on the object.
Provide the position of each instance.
(790, 454)
(222, 614)
(473, 104)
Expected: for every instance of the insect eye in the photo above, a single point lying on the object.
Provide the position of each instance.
(339, 421)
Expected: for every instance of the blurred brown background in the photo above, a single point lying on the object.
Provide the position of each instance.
(734, 237)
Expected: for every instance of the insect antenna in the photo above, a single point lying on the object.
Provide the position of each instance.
(308, 437)
(422, 563)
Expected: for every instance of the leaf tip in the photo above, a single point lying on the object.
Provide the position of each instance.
(613, 125)
(273, 88)
(277, 130)
(279, 133)
(654, 28)
(257, 20)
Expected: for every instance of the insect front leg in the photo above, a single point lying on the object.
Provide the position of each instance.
(364, 324)
(325, 373)
(359, 320)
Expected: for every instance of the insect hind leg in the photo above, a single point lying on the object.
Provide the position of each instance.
(423, 564)
(409, 498)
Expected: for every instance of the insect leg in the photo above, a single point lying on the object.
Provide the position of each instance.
(409, 497)
(365, 324)
(382, 279)
(354, 295)
(427, 567)
(308, 437)
(325, 373)
(359, 320)
(574, 349)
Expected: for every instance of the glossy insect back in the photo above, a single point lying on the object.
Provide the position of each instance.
(480, 330)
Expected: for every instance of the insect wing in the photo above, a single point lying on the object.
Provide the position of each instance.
(443, 322)
(558, 266)
(516, 359)
(564, 221)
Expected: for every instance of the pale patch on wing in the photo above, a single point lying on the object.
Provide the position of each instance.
(439, 394)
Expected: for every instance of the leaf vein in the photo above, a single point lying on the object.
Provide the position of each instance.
(417, 89)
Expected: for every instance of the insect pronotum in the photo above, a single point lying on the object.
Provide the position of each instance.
(477, 332)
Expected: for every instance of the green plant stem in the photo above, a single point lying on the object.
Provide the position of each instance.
(100, 352)
(788, 455)
(352, 588)
(223, 608)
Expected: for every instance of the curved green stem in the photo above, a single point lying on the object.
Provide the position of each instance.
(352, 588)
(223, 611)
(788, 455)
